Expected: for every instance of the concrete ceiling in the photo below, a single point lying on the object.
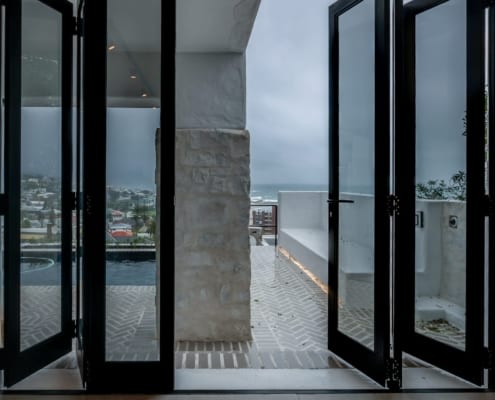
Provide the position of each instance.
(134, 27)
(215, 25)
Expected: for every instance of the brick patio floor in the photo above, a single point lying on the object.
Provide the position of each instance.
(288, 311)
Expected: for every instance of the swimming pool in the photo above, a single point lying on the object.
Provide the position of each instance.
(136, 273)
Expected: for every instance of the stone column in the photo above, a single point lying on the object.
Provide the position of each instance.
(212, 268)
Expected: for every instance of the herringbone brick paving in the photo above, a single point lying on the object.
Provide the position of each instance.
(289, 322)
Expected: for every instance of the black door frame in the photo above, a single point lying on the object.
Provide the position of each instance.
(491, 189)
(78, 194)
(158, 376)
(374, 363)
(466, 364)
(20, 364)
(101, 375)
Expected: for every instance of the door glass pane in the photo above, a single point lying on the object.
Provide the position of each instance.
(41, 163)
(79, 177)
(440, 252)
(133, 121)
(2, 287)
(356, 172)
(2, 99)
(2, 168)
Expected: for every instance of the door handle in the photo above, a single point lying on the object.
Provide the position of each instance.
(333, 201)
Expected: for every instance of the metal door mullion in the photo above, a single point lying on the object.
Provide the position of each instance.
(66, 238)
(491, 188)
(12, 178)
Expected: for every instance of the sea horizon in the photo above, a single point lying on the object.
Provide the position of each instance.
(269, 191)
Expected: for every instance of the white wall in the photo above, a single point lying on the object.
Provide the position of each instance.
(440, 248)
(211, 91)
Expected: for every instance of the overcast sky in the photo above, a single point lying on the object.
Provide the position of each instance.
(287, 92)
(287, 102)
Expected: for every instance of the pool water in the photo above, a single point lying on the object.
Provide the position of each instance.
(140, 273)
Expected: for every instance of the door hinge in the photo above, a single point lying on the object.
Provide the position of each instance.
(393, 373)
(487, 358)
(393, 205)
(488, 206)
(73, 328)
(75, 26)
(74, 202)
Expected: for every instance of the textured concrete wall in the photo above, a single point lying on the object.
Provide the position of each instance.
(453, 287)
(211, 91)
(213, 270)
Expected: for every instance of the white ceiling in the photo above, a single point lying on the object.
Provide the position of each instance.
(134, 27)
(202, 25)
(215, 25)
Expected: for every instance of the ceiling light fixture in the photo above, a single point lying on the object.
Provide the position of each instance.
(144, 95)
(112, 47)
(133, 76)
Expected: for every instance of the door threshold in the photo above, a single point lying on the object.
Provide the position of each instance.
(50, 379)
(432, 378)
(272, 379)
(304, 379)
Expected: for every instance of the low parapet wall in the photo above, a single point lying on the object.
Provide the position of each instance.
(440, 242)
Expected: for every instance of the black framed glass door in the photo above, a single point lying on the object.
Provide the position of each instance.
(359, 221)
(440, 181)
(128, 347)
(38, 259)
(79, 195)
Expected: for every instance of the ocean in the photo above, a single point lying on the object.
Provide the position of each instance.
(269, 192)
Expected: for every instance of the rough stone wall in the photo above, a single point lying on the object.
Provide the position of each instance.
(212, 267)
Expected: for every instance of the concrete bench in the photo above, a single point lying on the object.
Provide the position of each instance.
(303, 229)
(303, 232)
(309, 246)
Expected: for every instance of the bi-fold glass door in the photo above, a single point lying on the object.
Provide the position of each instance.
(128, 303)
(441, 157)
(38, 134)
(359, 220)
(407, 262)
(114, 248)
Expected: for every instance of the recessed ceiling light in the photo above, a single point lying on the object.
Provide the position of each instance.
(112, 47)
(144, 95)
(133, 76)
